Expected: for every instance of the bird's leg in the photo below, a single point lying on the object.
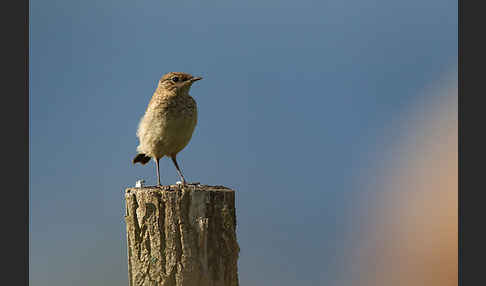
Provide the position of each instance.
(158, 173)
(178, 169)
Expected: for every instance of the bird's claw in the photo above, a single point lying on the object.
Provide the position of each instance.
(184, 183)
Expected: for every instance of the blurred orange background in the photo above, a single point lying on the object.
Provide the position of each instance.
(411, 237)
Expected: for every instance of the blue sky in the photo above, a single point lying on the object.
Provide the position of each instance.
(295, 102)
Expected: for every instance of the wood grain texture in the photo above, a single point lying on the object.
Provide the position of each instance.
(181, 236)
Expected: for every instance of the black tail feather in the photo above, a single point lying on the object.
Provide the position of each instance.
(142, 158)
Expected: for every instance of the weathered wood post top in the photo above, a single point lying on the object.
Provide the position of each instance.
(181, 235)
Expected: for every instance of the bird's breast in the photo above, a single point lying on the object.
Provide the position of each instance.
(168, 125)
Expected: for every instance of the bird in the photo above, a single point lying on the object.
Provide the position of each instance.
(168, 122)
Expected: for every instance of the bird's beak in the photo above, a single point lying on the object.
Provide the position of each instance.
(195, 79)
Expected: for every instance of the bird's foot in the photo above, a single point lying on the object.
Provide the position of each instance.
(184, 183)
(163, 188)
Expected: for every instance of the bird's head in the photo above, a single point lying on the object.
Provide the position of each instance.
(177, 82)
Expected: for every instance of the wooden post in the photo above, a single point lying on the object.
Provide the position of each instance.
(181, 236)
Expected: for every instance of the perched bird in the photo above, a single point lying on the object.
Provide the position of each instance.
(169, 121)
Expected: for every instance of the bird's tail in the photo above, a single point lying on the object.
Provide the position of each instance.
(142, 158)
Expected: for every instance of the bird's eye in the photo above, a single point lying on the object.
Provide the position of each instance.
(175, 79)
